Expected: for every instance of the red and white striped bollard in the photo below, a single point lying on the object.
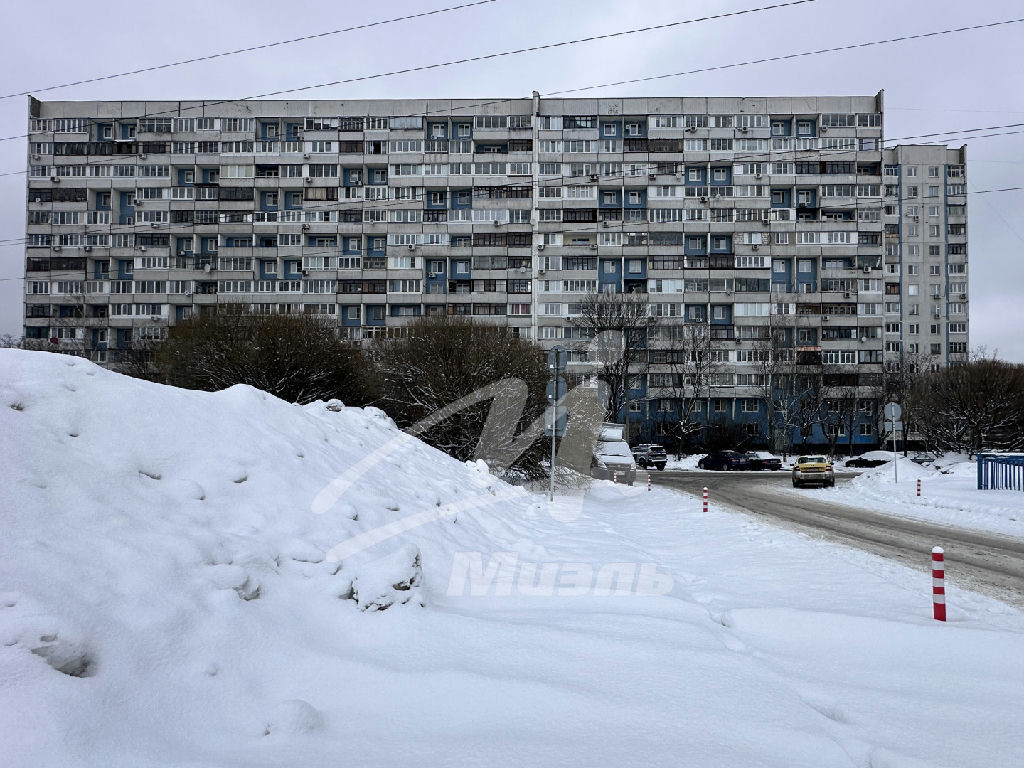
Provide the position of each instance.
(615, 476)
(648, 480)
(705, 495)
(938, 584)
(919, 486)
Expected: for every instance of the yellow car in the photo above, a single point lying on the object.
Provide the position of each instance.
(813, 469)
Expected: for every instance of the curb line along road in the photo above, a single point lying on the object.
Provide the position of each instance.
(982, 561)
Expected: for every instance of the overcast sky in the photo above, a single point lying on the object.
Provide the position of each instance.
(943, 83)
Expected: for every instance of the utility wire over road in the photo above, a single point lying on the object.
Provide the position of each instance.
(249, 49)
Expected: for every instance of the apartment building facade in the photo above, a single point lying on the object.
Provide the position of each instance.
(746, 217)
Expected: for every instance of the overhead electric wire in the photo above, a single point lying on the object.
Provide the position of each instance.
(990, 191)
(768, 59)
(474, 59)
(251, 48)
(751, 156)
(450, 109)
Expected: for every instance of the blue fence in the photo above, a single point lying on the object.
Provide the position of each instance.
(1000, 472)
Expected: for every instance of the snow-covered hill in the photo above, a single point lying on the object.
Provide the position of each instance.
(196, 579)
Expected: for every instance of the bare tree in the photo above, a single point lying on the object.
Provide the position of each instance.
(807, 400)
(9, 341)
(445, 359)
(619, 324)
(842, 393)
(776, 377)
(685, 350)
(136, 359)
(298, 358)
(899, 385)
(973, 407)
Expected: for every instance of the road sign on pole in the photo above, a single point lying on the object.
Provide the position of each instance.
(892, 413)
(556, 358)
(555, 416)
(556, 389)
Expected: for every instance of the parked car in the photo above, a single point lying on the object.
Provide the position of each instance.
(649, 455)
(762, 460)
(812, 469)
(724, 460)
(923, 457)
(613, 459)
(864, 463)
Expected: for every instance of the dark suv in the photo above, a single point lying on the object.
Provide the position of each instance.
(648, 455)
(724, 460)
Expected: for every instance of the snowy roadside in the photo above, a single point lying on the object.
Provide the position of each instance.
(170, 596)
(949, 495)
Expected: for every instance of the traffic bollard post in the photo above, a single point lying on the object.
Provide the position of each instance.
(938, 584)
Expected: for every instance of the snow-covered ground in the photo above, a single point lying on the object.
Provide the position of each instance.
(170, 595)
(949, 494)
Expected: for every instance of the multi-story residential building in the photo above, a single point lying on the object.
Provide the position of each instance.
(746, 218)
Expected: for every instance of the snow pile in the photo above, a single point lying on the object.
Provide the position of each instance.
(949, 494)
(229, 580)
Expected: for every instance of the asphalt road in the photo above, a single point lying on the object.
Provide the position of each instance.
(975, 560)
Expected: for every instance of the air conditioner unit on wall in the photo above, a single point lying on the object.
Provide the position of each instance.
(867, 270)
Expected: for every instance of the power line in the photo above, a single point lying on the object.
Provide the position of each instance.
(604, 85)
(836, 49)
(990, 191)
(962, 130)
(483, 57)
(251, 48)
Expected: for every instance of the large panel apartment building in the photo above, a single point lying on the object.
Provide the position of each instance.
(737, 214)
